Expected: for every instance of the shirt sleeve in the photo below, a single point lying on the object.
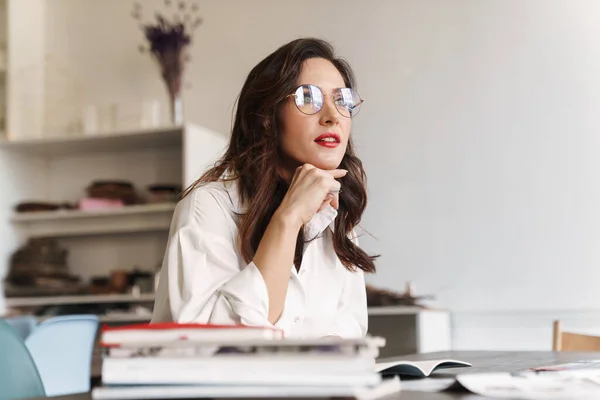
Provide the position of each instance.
(203, 280)
(351, 320)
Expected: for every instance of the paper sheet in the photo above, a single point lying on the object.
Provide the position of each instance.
(579, 384)
(583, 364)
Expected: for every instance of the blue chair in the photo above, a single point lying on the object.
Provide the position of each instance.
(19, 377)
(62, 348)
(22, 324)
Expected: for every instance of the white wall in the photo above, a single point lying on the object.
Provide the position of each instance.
(26, 78)
(479, 131)
(517, 330)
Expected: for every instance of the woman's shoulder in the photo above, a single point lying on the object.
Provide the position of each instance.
(223, 192)
(208, 202)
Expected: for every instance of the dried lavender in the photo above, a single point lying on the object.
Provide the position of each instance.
(169, 38)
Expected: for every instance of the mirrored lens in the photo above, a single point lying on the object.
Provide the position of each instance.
(347, 101)
(309, 99)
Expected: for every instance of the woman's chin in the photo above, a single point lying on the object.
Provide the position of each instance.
(326, 164)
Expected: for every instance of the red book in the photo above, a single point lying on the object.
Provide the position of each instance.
(171, 332)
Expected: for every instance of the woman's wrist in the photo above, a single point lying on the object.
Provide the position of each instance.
(287, 221)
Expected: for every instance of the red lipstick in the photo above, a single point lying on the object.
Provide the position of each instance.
(328, 139)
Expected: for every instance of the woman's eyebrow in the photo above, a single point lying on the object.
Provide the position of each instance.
(323, 90)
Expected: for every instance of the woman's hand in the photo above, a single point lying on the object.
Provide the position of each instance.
(311, 190)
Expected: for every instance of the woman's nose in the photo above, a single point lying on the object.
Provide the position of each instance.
(329, 113)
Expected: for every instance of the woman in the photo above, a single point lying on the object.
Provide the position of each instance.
(266, 237)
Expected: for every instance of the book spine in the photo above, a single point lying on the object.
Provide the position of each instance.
(235, 376)
(192, 350)
(118, 338)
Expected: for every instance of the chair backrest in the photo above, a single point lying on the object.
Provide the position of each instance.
(569, 341)
(19, 377)
(22, 324)
(62, 349)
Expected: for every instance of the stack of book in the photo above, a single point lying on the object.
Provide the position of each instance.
(160, 361)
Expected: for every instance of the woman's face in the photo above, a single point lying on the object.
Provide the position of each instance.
(319, 139)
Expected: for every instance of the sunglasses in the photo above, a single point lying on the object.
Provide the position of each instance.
(310, 99)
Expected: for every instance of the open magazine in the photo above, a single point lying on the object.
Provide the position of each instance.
(576, 380)
(419, 369)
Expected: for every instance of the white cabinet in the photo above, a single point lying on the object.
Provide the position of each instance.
(410, 330)
(59, 169)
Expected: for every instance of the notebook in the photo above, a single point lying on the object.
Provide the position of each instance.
(419, 369)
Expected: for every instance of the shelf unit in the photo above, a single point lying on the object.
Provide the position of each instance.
(99, 241)
(38, 163)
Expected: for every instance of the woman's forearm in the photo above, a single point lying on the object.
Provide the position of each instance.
(274, 259)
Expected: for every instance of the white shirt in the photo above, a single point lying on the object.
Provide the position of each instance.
(204, 278)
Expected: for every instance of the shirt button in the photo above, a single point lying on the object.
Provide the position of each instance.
(296, 319)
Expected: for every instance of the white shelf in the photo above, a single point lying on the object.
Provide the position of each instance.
(158, 138)
(104, 319)
(65, 223)
(131, 318)
(84, 299)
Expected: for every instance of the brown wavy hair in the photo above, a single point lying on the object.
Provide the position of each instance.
(253, 156)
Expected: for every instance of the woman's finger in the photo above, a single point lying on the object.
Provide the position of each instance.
(335, 201)
(327, 201)
(300, 172)
(337, 173)
(295, 176)
(336, 187)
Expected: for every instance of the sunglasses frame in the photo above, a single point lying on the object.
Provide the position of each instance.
(324, 95)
